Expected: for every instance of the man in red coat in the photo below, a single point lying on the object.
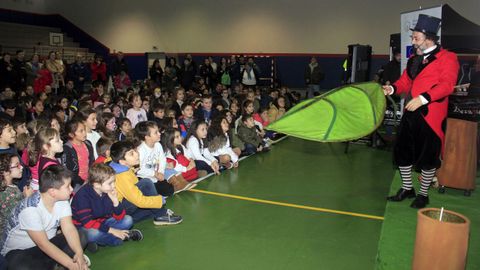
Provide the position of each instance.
(427, 82)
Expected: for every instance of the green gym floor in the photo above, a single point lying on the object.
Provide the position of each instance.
(303, 205)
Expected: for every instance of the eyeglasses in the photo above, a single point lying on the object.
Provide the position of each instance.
(16, 166)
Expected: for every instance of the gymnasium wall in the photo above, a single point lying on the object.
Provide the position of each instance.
(267, 26)
(292, 30)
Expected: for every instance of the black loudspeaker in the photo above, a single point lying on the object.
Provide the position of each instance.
(395, 42)
(359, 62)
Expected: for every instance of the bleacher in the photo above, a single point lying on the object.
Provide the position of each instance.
(36, 39)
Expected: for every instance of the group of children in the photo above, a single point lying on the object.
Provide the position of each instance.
(93, 168)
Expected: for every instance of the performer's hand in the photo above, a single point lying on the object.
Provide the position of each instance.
(414, 104)
(387, 90)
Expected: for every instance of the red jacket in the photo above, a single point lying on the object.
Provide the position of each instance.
(99, 72)
(435, 82)
(42, 81)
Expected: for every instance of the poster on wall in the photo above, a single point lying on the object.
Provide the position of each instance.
(408, 21)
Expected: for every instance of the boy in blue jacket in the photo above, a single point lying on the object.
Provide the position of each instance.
(97, 211)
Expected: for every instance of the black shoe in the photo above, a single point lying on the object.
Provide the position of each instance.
(420, 201)
(134, 235)
(401, 195)
(92, 247)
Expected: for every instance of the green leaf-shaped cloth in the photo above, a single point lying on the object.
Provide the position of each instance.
(343, 114)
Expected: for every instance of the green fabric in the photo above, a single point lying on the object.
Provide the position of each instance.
(342, 114)
(226, 79)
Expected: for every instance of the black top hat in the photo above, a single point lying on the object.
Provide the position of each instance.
(427, 24)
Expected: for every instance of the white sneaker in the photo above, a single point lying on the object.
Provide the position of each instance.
(87, 260)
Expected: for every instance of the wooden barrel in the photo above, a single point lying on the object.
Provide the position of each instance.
(440, 244)
(459, 165)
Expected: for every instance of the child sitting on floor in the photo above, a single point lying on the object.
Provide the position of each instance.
(139, 197)
(179, 156)
(248, 134)
(186, 119)
(219, 143)
(10, 195)
(97, 211)
(153, 164)
(46, 145)
(103, 149)
(136, 114)
(77, 152)
(196, 140)
(124, 129)
(7, 140)
(31, 241)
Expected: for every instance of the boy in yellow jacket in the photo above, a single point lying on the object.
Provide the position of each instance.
(139, 198)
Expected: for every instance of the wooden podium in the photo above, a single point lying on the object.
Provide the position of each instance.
(459, 166)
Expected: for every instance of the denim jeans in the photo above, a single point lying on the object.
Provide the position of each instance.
(3, 263)
(250, 149)
(312, 88)
(105, 238)
(147, 188)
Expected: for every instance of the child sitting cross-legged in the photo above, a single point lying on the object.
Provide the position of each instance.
(153, 164)
(248, 134)
(97, 211)
(180, 157)
(196, 140)
(139, 197)
(219, 143)
(31, 241)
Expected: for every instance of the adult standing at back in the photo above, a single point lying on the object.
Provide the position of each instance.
(119, 64)
(20, 71)
(234, 71)
(427, 81)
(313, 76)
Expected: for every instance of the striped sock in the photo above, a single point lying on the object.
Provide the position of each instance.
(406, 174)
(427, 177)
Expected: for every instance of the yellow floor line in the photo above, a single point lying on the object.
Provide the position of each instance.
(287, 204)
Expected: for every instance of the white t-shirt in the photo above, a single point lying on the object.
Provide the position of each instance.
(136, 116)
(199, 152)
(93, 137)
(151, 160)
(35, 218)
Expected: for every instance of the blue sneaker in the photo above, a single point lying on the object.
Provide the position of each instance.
(168, 219)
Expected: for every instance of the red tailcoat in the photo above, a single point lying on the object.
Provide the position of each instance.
(435, 82)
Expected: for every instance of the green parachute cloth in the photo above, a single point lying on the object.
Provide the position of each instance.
(342, 114)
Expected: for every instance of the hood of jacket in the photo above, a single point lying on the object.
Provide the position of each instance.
(118, 168)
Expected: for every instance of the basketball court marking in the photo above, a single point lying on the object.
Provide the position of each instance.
(305, 207)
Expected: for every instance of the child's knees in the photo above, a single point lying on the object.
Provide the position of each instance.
(225, 159)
